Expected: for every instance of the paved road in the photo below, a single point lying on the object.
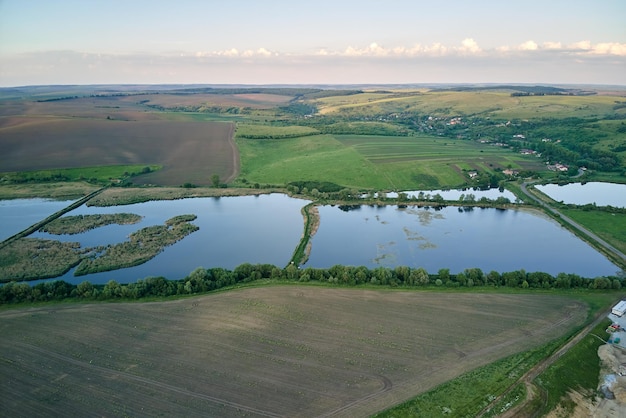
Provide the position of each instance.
(573, 224)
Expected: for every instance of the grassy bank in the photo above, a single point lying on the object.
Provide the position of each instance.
(311, 223)
(128, 196)
(52, 190)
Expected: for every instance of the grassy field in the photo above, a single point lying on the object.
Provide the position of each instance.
(378, 162)
(319, 157)
(608, 226)
(53, 190)
(96, 174)
(206, 101)
(273, 132)
(577, 370)
(275, 351)
(468, 394)
(498, 104)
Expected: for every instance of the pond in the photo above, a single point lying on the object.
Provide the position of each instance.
(267, 229)
(233, 231)
(452, 237)
(600, 193)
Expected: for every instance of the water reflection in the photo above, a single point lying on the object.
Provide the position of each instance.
(454, 238)
(602, 194)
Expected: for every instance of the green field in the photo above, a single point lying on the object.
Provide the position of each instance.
(273, 132)
(373, 162)
(100, 174)
(577, 370)
(609, 226)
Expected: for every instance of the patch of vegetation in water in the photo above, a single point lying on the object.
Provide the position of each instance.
(143, 246)
(81, 223)
(32, 258)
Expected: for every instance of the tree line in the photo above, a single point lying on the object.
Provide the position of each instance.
(203, 280)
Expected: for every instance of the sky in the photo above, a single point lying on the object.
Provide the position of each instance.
(315, 42)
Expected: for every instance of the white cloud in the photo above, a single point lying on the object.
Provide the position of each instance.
(528, 46)
(599, 64)
(467, 48)
(470, 46)
(609, 48)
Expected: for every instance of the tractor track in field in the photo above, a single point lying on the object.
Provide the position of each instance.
(151, 382)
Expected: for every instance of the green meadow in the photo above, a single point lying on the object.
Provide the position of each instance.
(93, 174)
(608, 226)
(372, 162)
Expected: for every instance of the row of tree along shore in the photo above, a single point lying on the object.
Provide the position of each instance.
(204, 280)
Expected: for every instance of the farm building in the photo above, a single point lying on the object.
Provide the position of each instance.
(619, 309)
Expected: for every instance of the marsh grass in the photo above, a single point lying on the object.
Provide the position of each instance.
(30, 258)
(81, 223)
(144, 245)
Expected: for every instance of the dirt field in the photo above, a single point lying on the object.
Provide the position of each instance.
(253, 101)
(275, 351)
(190, 152)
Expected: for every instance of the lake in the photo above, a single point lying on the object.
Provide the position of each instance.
(452, 237)
(267, 229)
(600, 193)
(233, 231)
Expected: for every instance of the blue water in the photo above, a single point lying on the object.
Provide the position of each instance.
(18, 214)
(267, 229)
(233, 231)
(602, 194)
(454, 238)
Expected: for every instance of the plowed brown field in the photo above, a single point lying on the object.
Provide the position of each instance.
(78, 133)
(275, 351)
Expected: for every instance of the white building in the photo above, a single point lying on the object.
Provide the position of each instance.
(619, 309)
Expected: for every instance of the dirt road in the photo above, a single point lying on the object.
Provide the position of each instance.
(528, 378)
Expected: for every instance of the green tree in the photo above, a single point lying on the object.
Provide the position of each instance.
(84, 289)
(444, 274)
(112, 290)
(215, 180)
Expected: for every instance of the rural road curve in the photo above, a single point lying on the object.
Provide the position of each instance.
(572, 223)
